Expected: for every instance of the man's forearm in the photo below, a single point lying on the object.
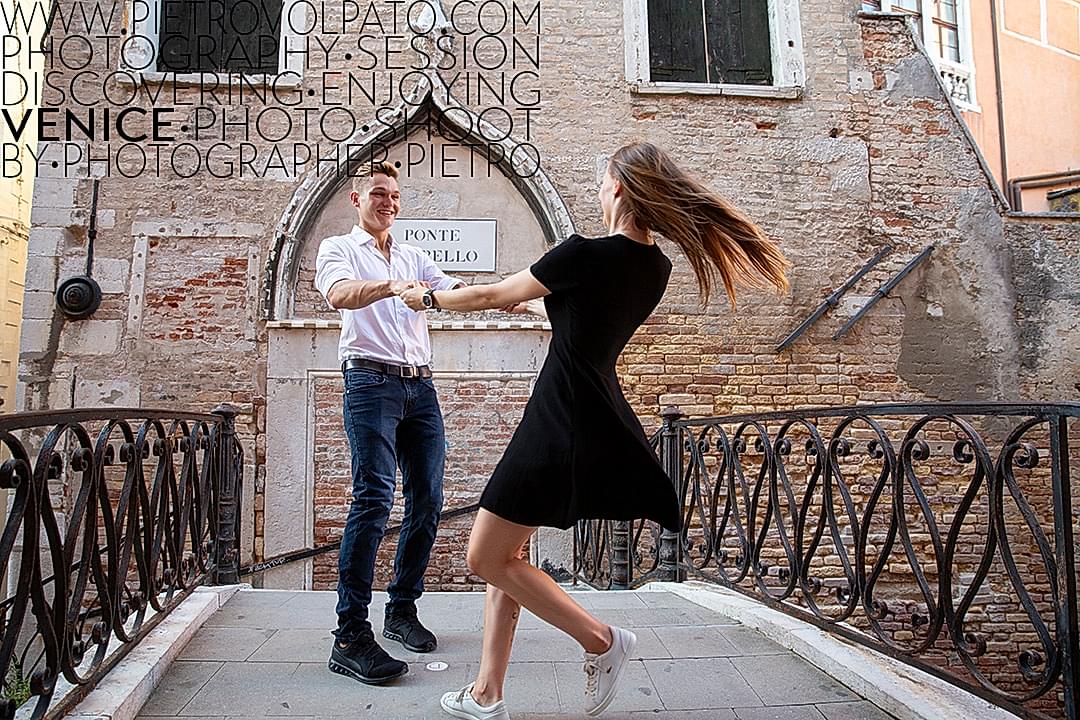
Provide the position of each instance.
(356, 294)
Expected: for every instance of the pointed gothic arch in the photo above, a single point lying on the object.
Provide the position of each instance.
(429, 98)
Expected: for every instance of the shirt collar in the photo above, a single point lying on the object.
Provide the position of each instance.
(363, 237)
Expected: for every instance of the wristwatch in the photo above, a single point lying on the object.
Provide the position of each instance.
(428, 299)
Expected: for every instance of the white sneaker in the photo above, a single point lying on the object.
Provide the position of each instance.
(460, 704)
(602, 671)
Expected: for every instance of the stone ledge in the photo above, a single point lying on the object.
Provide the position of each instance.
(124, 689)
(902, 690)
(776, 92)
(434, 325)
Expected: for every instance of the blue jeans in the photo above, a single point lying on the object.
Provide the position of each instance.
(391, 422)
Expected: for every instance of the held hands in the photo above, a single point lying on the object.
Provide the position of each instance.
(399, 286)
(412, 294)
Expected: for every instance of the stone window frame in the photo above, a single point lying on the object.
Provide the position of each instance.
(959, 78)
(290, 65)
(788, 61)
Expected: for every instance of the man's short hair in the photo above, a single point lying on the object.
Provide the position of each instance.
(361, 181)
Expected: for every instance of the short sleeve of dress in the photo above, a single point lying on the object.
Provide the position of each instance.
(565, 266)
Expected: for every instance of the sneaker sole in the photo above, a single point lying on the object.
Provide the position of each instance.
(460, 713)
(340, 669)
(398, 638)
(456, 713)
(615, 683)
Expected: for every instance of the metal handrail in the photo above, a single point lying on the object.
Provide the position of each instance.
(912, 529)
(151, 515)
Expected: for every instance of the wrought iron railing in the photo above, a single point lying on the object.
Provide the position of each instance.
(114, 517)
(941, 535)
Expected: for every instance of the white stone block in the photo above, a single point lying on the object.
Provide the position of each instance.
(46, 241)
(111, 274)
(91, 337)
(55, 192)
(38, 305)
(109, 391)
(186, 227)
(293, 352)
(860, 81)
(34, 337)
(41, 273)
(58, 217)
(288, 494)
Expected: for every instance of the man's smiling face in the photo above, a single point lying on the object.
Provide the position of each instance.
(379, 203)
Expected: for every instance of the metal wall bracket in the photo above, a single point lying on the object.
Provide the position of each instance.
(884, 290)
(833, 299)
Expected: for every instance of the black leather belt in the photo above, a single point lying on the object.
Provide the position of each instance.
(405, 371)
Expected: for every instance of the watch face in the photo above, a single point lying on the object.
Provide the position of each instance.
(427, 299)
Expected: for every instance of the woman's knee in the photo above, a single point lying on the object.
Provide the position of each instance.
(480, 563)
(493, 547)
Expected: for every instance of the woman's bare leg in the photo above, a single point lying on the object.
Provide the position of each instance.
(501, 614)
(500, 622)
(494, 555)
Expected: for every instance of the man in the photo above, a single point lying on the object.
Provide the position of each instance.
(392, 420)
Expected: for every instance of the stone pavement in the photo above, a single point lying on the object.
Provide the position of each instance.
(264, 655)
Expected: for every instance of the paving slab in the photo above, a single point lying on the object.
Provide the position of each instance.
(788, 680)
(795, 712)
(852, 711)
(225, 643)
(263, 655)
(179, 686)
(636, 689)
(241, 688)
(700, 684)
(302, 646)
(697, 641)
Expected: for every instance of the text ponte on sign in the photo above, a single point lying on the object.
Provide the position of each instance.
(454, 244)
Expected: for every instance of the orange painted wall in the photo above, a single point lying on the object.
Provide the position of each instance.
(1040, 66)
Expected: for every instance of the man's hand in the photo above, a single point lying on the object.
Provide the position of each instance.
(399, 286)
(414, 296)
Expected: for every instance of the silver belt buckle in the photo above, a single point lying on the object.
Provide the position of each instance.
(409, 371)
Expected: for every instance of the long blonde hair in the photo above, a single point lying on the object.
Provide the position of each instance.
(715, 237)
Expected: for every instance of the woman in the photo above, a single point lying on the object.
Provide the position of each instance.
(580, 451)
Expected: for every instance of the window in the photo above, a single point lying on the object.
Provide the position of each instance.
(218, 36)
(718, 41)
(946, 37)
(750, 47)
(944, 27)
(179, 40)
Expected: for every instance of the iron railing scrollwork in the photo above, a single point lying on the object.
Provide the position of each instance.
(939, 534)
(114, 517)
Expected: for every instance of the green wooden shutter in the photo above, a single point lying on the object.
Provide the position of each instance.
(189, 41)
(676, 41)
(258, 48)
(740, 51)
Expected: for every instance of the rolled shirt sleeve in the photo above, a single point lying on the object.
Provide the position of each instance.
(435, 276)
(331, 266)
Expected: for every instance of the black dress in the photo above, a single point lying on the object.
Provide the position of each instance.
(579, 451)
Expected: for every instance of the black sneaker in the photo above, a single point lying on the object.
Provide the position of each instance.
(401, 625)
(364, 660)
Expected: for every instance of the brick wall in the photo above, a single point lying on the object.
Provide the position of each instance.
(480, 416)
(871, 154)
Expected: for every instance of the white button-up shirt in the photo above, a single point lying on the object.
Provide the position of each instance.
(386, 330)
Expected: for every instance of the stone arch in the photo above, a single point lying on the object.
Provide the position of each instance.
(430, 95)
